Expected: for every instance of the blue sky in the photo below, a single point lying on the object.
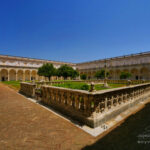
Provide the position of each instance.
(74, 30)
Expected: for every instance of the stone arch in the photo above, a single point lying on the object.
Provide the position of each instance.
(93, 74)
(81, 73)
(27, 75)
(117, 73)
(135, 73)
(89, 75)
(111, 74)
(40, 78)
(20, 75)
(144, 73)
(144, 70)
(33, 75)
(125, 70)
(4, 75)
(12, 75)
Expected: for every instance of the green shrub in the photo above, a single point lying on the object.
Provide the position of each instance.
(83, 76)
(125, 75)
(73, 85)
(85, 87)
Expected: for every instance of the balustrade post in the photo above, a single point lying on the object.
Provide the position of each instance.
(86, 104)
(117, 98)
(132, 97)
(76, 101)
(69, 100)
(106, 101)
(122, 98)
(112, 99)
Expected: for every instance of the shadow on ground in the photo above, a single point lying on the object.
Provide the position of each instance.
(57, 111)
(133, 134)
(62, 113)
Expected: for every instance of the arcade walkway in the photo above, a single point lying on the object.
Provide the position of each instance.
(27, 126)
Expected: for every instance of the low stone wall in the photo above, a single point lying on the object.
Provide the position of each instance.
(27, 89)
(94, 108)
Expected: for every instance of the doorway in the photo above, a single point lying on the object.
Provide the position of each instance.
(3, 78)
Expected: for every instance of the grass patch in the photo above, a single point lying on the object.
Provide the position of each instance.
(85, 86)
(71, 85)
(74, 85)
(13, 84)
(100, 86)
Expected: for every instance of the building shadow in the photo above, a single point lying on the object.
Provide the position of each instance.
(133, 134)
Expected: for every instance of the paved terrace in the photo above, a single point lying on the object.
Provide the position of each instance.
(28, 126)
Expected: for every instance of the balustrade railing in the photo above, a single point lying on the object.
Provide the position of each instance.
(90, 107)
(28, 89)
(93, 104)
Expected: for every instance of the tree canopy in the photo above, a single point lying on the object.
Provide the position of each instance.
(125, 75)
(67, 71)
(101, 74)
(47, 70)
(83, 76)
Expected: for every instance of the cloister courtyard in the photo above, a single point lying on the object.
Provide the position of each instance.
(53, 105)
(74, 75)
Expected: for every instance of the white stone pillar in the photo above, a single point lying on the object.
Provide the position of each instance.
(23, 75)
(30, 75)
(16, 76)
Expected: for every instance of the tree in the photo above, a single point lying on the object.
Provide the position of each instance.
(101, 74)
(67, 71)
(75, 74)
(83, 76)
(47, 70)
(125, 75)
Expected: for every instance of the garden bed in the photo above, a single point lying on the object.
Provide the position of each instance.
(85, 86)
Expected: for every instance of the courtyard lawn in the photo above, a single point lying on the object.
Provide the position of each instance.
(85, 86)
(100, 86)
(13, 84)
(74, 85)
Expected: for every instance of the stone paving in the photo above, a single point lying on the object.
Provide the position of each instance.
(27, 126)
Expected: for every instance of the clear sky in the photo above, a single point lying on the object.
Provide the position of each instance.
(74, 30)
